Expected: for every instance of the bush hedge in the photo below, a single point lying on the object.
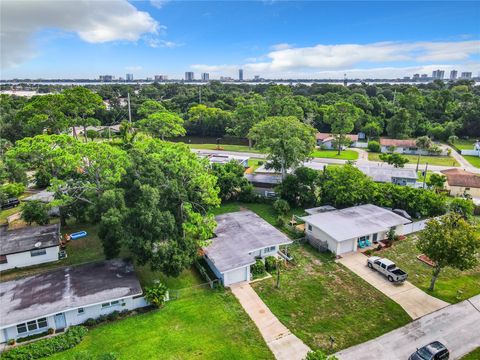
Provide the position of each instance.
(270, 263)
(47, 347)
(31, 337)
(258, 268)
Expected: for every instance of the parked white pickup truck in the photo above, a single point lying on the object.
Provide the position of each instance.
(387, 268)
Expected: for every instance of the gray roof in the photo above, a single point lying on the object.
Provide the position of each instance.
(355, 221)
(385, 174)
(238, 234)
(319, 209)
(43, 196)
(28, 238)
(267, 179)
(67, 288)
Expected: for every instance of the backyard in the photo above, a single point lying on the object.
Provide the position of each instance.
(319, 298)
(209, 324)
(452, 285)
(412, 159)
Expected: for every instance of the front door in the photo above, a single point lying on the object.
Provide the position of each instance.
(60, 322)
(375, 238)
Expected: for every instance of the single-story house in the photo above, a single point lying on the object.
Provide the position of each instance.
(28, 246)
(64, 297)
(45, 197)
(223, 159)
(460, 182)
(326, 140)
(383, 174)
(405, 146)
(341, 230)
(241, 238)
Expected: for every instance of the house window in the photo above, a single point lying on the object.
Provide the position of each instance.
(32, 325)
(309, 227)
(114, 303)
(3, 259)
(269, 249)
(80, 311)
(105, 305)
(38, 252)
(21, 328)
(42, 323)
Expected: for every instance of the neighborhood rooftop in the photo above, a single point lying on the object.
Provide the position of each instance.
(68, 288)
(239, 234)
(43, 196)
(459, 177)
(355, 221)
(398, 142)
(385, 174)
(328, 136)
(28, 238)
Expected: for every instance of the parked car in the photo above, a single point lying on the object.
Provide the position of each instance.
(387, 268)
(433, 351)
(10, 203)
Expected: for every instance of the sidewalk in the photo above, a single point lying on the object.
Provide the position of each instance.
(283, 344)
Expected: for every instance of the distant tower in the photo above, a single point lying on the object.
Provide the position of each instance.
(129, 77)
(453, 74)
(240, 74)
(205, 77)
(344, 79)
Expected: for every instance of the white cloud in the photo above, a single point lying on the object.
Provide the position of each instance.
(285, 60)
(158, 3)
(155, 43)
(94, 21)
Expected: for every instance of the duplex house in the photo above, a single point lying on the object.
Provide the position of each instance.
(241, 238)
(64, 297)
(28, 246)
(326, 140)
(341, 230)
(383, 174)
(461, 182)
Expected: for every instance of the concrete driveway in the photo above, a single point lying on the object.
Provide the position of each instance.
(283, 344)
(416, 302)
(456, 326)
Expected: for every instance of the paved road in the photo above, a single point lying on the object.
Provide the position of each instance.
(456, 326)
(283, 344)
(416, 302)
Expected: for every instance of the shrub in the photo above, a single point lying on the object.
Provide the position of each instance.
(90, 322)
(281, 207)
(51, 331)
(155, 294)
(258, 268)
(113, 316)
(374, 146)
(464, 207)
(42, 178)
(47, 347)
(319, 355)
(369, 252)
(270, 263)
(31, 337)
(12, 189)
(36, 211)
(11, 342)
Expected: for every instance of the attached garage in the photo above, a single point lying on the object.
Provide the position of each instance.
(237, 275)
(346, 246)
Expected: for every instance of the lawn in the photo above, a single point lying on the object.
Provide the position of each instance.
(226, 147)
(333, 154)
(463, 144)
(254, 164)
(474, 355)
(208, 325)
(431, 160)
(319, 298)
(474, 160)
(452, 285)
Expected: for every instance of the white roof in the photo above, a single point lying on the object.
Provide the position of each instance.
(355, 221)
(385, 174)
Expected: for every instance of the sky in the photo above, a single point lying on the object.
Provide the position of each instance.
(272, 39)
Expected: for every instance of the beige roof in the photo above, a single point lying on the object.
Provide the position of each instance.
(398, 142)
(328, 136)
(459, 177)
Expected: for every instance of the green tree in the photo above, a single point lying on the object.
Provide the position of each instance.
(463, 207)
(302, 188)
(233, 185)
(156, 294)
(398, 126)
(281, 207)
(436, 181)
(287, 141)
(150, 107)
(374, 146)
(450, 241)
(372, 129)
(163, 124)
(342, 117)
(203, 120)
(394, 159)
(35, 212)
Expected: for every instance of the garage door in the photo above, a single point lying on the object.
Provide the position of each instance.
(235, 276)
(345, 247)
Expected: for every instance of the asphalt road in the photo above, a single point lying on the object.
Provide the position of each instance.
(456, 326)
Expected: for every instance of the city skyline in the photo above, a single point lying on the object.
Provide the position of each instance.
(162, 37)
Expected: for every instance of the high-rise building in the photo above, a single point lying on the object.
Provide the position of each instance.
(240, 74)
(161, 77)
(453, 74)
(416, 76)
(189, 76)
(424, 76)
(256, 78)
(466, 75)
(106, 77)
(205, 77)
(438, 74)
(129, 77)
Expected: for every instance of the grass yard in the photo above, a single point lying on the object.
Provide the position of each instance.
(463, 144)
(209, 325)
(226, 147)
(431, 160)
(474, 355)
(319, 298)
(254, 164)
(452, 285)
(474, 160)
(332, 154)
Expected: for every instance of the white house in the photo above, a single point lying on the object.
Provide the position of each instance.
(398, 176)
(241, 238)
(28, 246)
(225, 158)
(405, 146)
(64, 297)
(327, 141)
(341, 230)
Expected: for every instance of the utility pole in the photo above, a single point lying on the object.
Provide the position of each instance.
(418, 162)
(129, 109)
(425, 176)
